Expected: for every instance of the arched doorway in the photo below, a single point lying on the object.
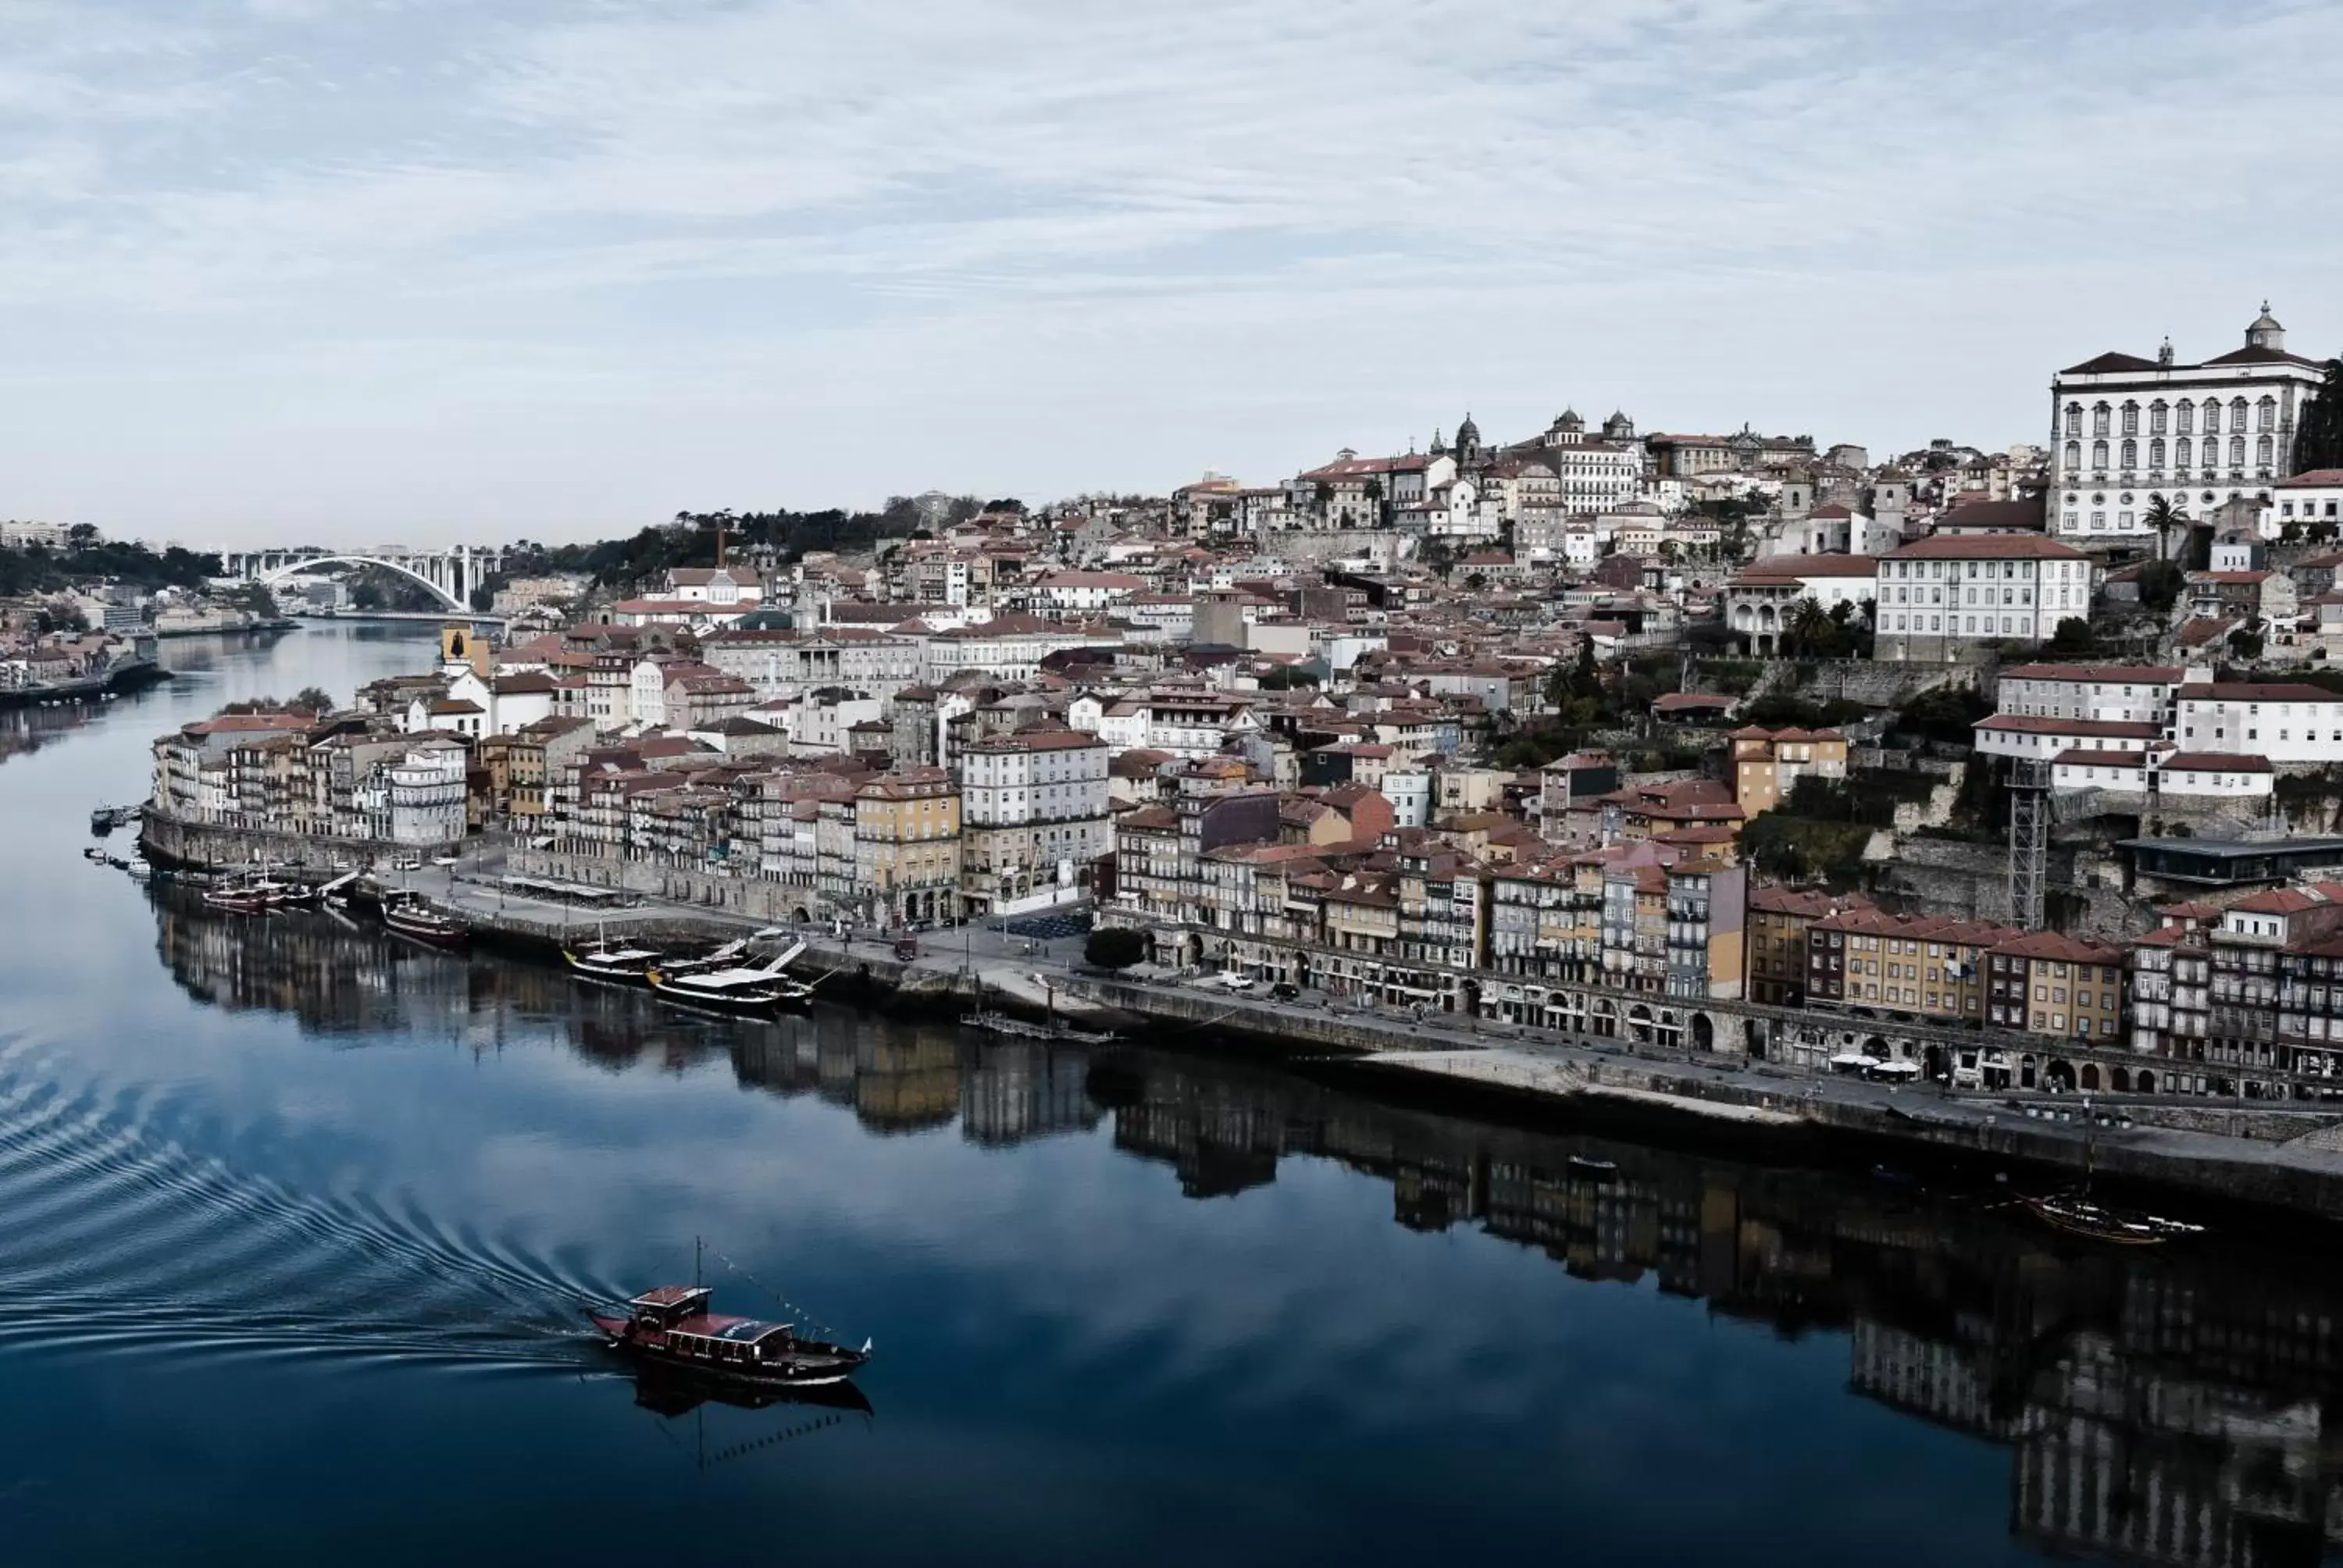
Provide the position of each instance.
(2090, 1075)
(2123, 1081)
(1878, 1049)
(1755, 1029)
(2028, 1070)
(2060, 1076)
(1935, 1062)
(1639, 1025)
(2147, 1081)
(1703, 1033)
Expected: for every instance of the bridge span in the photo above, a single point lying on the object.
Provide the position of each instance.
(451, 574)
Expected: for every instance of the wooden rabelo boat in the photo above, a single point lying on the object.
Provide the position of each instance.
(406, 913)
(671, 1326)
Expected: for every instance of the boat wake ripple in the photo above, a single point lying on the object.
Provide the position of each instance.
(117, 1239)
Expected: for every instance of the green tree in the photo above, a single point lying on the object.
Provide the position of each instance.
(1114, 948)
(2073, 639)
(314, 699)
(2318, 431)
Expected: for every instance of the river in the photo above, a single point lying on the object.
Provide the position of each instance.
(295, 1220)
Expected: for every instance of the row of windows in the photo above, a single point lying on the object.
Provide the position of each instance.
(2009, 596)
(2183, 415)
(2183, 453)
(2010, 625)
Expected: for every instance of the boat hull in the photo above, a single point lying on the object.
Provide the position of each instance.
(431, 929)
(812, 1364)
(585, 967)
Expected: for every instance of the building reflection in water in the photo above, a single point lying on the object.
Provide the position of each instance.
(2169, 1406)
(24, 731)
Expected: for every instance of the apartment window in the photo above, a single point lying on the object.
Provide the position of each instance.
(2131, 418)
(2098, 454)
(2180, 451)
(2262, 452)
(2266, 414)
(2130, 453)
(2099, 420)
(2156, 452)
(2236, 451)
(2212, 418)
(2155, 416)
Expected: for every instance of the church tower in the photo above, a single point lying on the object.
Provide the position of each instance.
(2266, 333)
(462, 648)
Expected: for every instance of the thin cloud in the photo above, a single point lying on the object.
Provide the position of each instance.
(1270, 230)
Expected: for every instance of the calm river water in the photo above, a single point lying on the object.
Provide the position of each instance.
(294, 1222)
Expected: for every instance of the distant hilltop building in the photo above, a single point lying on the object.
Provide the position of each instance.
(2127, 431)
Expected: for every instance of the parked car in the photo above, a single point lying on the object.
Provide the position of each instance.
(1285, 990)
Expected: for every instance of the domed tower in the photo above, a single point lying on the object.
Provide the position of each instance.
(1570, 423)
(2266, 333)
(1618, 428)
(1468, 443)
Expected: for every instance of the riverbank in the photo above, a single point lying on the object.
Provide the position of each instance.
(130, 674)
(2284, 1159)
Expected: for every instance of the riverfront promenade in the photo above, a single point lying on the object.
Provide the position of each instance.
(2293, 1160)
(2280, 1155)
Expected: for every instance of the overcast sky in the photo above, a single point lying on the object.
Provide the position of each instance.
(355, 269)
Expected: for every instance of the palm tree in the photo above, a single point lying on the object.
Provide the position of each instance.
(1806, 624)
(2164, 521)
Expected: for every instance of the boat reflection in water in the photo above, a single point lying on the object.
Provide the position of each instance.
(672, 1394)
(2159, 1404)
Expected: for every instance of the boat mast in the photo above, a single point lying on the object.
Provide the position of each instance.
(694, 1262)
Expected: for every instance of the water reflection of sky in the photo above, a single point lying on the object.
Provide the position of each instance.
(1075, 1362)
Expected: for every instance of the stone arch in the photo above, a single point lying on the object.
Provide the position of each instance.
(1703, 1033)
(1754, 1029)
(2090, 1077)
(2147, 1084)
(2028, 1070)
(2060, 1075)
(1639, 1023)
(1877, 1049)
(1604, 1019)
(278, 574)
(802, 917)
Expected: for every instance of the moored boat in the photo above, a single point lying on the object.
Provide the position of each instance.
(671, 1326)
(2080, 1216)
(409, 915)
(247, 896)
(743, 989)
(614, 965)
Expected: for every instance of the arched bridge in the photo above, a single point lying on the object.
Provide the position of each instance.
(451, 574)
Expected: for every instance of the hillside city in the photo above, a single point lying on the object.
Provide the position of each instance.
(2041, 745)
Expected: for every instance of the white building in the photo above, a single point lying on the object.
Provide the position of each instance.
(1033, 806)
(2313, 497)
(2126, 430)
(1944, 595)
(426, 796)
(785, 663)
(1763, 595)
(2283, 723)
(1594, 473)
(2137, 693)
(1085, 593)
(2047, 739)
(1008, 647)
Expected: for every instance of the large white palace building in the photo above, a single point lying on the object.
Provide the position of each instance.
(2124, 430)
